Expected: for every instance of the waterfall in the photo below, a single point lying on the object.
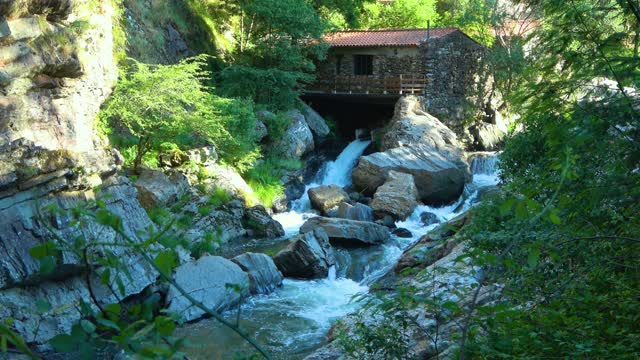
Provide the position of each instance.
(337, 172)
(294, 320)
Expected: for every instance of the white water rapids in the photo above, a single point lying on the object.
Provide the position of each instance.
(293, 321)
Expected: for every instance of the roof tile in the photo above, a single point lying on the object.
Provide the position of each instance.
(392, 37)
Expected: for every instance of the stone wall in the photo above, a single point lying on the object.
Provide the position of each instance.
(457, 80)
(386, 61)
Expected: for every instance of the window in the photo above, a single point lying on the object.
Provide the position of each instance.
(362, 64)
(338, 64)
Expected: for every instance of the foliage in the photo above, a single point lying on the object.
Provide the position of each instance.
(144, 329)
(265, 178)
(156, 104)
(475, 18)
(277, 124)
(561, 238)
(399, 14)
(277, 44)
(276, 88)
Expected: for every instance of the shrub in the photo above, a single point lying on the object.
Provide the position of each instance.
(153, 105)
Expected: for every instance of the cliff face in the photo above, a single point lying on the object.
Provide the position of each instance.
(56, 69)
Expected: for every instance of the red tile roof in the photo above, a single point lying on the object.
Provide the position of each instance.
(392, 37)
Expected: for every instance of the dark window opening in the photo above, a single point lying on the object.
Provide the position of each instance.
(338, 64)
(363, 64)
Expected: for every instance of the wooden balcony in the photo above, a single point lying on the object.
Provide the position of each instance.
(392, 85)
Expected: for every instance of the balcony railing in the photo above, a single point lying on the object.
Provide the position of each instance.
(370, 85)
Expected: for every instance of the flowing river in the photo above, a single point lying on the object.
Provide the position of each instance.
(293, 321)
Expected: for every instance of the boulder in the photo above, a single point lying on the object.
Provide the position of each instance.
(326, 197)
(297, 139)
(438, 179)
(264, 276)
(348, 232)
(206, 155)
(157, 189)
(358, 212)
(308, 256)
(207, 280)
(227, 178)
(402, 233)
(316, 123)
(261, 130)
(412, 125)
(487, 137)
(226, 221)
(429, 218)
(259, 220)
(396, 197)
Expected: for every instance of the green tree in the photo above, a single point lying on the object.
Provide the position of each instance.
(277, 44)
(564, 238)
(154, 104)
(399, 14)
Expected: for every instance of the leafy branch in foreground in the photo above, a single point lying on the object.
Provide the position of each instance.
(144, 327)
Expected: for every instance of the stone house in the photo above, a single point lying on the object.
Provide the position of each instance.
(442, 64)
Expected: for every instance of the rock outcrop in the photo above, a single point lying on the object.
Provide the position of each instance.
(297, 139)
(417, 143)
(257, 219)
(438, 179)
(412, 125)
(316, 123)
(208, 281)
(225, 221)
(53, 80)
(327, 197)
(264, 276)
(348, 232)
(157, 189)
(21, 283)
(308, 256)
(396, 197)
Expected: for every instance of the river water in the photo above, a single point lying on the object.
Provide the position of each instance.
(294, 320)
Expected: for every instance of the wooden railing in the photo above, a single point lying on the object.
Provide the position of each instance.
(370, 84)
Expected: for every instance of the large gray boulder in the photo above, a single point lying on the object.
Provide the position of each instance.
(257, 219)
(487, 137)
(396, 197)
(227, 178)
(327, 197)
(264, 276)
(226, 221)
(308, 256)
(157, 189)
(297, 139)
(316, 123)
(208, 281)
(348, 232)
(412, 125)
(437, 178)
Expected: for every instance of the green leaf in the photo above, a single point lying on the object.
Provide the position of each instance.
(39, 251)
(47, 264)
(63, 343)
(108, 324)
(533, 257)
(166, 261)
(88, 326)
(554, 218)
(164, 325)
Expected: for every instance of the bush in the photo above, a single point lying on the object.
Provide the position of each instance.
(153, 105)
(264, 178)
